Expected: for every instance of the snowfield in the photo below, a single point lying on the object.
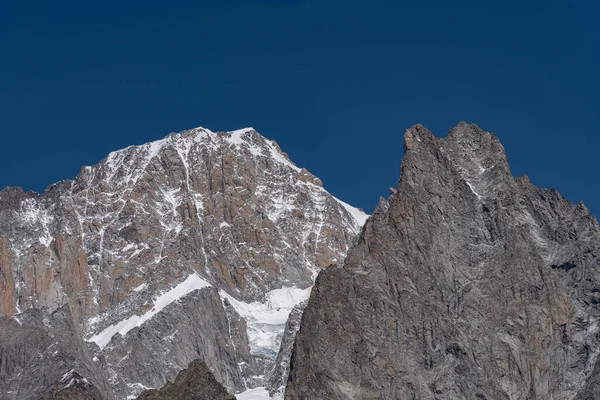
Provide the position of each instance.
(265, 320)
(259, 393)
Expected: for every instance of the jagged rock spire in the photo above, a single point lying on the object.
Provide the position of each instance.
(466, 283)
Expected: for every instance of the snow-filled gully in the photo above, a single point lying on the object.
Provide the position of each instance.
(265, 320)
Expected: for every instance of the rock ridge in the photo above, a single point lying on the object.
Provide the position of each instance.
(195, 246)
(465, 283)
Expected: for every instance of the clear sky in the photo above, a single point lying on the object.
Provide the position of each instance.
(334, 83)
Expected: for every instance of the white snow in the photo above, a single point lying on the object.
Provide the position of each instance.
(259, 393)
(183, 155)
(17, 317)
(171, 336)
(359, 215)
(132, 167)
(238, 132)
(276, 308)
(266, 320)
(129, 247)
(33, 215)
(141, 287)
(67, 375)
(172, 201)
(236, 136)
(318, 194)
(473, 189)
(238, 140)
(138, 388)
(193, 282)
(154, 148)
(115, 160)
(68, 379)
(280, 203)
(279, 157)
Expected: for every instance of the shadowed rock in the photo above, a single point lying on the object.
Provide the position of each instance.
(195, 382)
(72, 386)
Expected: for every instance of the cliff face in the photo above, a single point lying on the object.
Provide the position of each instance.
(196, 246)
(229, 205)
(467, 283)
(279, 374)
(43, 356)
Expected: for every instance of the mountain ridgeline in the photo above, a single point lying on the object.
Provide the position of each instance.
(193, 247)
(467, 283)
(207, 265)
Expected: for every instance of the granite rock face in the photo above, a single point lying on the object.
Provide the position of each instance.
(196, 382)
(196, 246)
(467, 283)
(195, 328)
(43, 355)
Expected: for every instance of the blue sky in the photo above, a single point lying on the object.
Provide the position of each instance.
(334, 83)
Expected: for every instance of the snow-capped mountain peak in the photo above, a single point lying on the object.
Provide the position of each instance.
(119, 245)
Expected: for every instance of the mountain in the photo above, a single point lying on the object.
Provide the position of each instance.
(467, 283)
(193, 247)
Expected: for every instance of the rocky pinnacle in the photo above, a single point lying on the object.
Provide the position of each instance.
(467, 283)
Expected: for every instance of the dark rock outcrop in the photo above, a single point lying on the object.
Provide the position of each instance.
(72, 386)
(467, 283)
(196, 382)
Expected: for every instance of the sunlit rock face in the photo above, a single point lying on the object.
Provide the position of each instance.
(196, 246)
(467, 283)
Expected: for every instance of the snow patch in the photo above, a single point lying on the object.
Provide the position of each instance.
(266, 320)
(473, 190)
(281, 203)
(141, 287)
(192, 283)
(129, 247)
(359, 216)
(259, 393)
(237, 139)
(35, 217)
(276, 154)
(138, 388)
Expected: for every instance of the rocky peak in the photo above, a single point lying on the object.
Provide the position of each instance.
(467, 156)
(12, 196)
(479, 158)
(416, 136)
(196, 382)
(465, 283)
(137, 244)
(469, 143)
